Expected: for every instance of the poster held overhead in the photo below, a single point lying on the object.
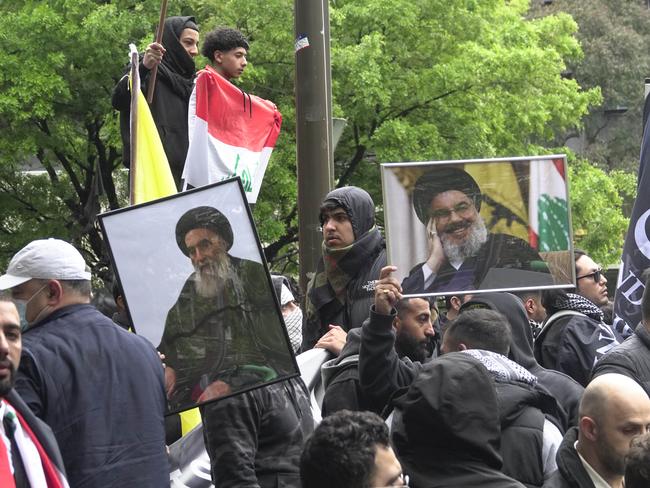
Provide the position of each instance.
(478, 225)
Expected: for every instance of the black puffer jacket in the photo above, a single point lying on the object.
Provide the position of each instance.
(382, 373)
(255, 439)
(341, 379)
(573, 337)
(570, 471)
(446, 427)
(359, 293)
(631, 358)
(566, 391)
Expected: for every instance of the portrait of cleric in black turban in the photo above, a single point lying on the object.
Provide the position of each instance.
(220, 330)
(448, 233)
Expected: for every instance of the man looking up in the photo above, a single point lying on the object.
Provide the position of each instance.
(461, 250)
(227, 50)
(614, 409)
(99, 387)
(174, 83)
(574, 335)
(340, 293)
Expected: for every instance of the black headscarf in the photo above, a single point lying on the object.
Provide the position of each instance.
(176, 58)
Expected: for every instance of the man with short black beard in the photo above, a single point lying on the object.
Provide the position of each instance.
(461, 250)
(26, 464)
(219, 335)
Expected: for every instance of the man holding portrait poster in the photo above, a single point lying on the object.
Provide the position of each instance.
(462, 254)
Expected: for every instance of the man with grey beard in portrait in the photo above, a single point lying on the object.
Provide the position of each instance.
(461, 251)
(223, 334)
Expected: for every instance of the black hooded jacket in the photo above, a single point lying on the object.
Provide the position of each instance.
(446, 428)
(631, 358)
(362, 263)
(566, 391)
(174, 84)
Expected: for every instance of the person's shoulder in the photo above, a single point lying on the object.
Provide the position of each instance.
(569, 317)
(508, 240)
(243, 262)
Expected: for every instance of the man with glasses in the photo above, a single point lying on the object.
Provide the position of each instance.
(574, 335)
(461, 250)
(632, 357)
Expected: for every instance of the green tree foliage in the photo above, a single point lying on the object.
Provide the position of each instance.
(59, 62)
(614, 36)
(416, 80)
(597, 200)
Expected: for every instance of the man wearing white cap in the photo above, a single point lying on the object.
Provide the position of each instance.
(99, 387)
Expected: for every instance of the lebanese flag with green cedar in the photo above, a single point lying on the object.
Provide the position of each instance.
(547, 206)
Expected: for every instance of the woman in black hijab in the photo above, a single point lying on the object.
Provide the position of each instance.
(174, 85)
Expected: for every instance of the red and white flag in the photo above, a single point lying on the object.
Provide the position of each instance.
(231, 133)
(547, 205)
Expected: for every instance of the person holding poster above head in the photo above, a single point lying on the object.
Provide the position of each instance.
(219, 336)
(462, 254)
(232, 133)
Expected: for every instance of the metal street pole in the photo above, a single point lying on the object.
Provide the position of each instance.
(314, 150)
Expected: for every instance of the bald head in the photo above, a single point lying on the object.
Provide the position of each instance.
(614, 409)
(609, 393)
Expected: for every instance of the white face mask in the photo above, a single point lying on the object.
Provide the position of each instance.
(22, 308)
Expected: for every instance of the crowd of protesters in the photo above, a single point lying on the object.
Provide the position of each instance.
(412, 394)
(494, 389)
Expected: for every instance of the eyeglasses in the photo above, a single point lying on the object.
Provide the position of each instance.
(461, 208)
(596, 275)
(401, 481)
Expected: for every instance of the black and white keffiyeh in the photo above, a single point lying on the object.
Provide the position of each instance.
(580, 304)
(501, 368)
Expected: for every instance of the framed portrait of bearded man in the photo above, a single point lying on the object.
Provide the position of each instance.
(197, 286)
(454, 227)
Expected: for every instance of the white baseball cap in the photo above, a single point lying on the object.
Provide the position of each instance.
(48, 259)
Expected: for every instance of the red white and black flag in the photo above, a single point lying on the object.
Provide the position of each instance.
(231, 133)
(636, 251)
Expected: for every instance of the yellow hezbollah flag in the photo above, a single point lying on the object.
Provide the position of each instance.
(153, 178)
(503, 207)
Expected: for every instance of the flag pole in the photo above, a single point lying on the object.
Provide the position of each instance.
(159, 34)
(133, 123)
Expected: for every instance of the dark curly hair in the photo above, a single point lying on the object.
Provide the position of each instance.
(637, 462)
(223, 39)
(341, 451)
